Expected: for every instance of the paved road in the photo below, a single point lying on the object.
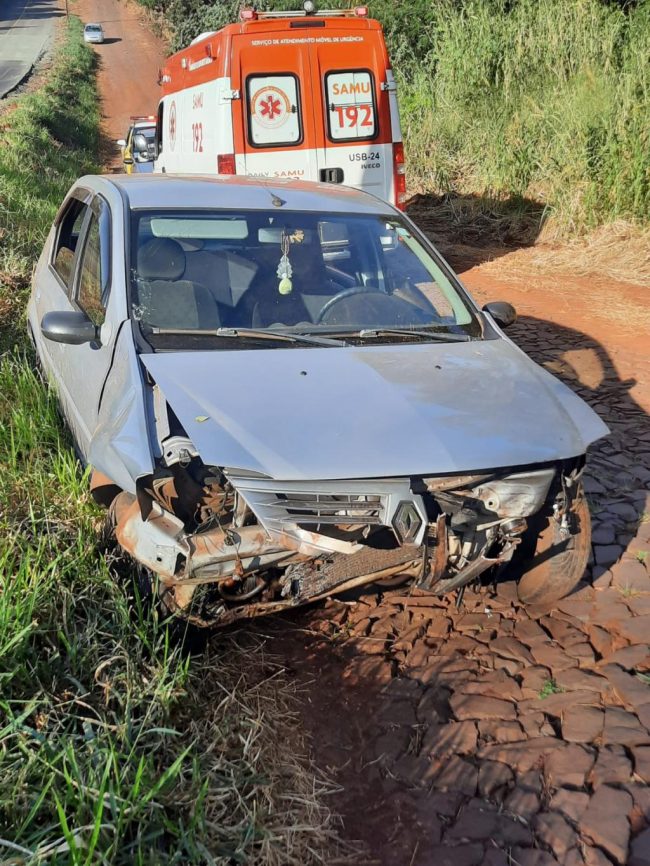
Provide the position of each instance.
(26, 27)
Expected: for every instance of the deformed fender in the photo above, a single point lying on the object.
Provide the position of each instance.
(120, 447)
(160, 543)
(157, 542)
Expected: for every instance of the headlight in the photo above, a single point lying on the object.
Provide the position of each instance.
(517, 495)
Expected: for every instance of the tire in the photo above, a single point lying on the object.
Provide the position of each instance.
(552, 565)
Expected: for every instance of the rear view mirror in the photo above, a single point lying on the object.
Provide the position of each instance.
(502, 312)
(68, 326)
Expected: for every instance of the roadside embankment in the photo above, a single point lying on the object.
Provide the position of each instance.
(115, 748)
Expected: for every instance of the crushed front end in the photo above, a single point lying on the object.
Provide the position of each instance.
(227, 546)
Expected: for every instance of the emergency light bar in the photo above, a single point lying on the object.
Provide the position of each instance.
(137, 117)
(357, 12)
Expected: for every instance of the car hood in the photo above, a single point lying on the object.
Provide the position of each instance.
(373, 411)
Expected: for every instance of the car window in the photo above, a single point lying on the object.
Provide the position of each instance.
(93, 283)
(67, 237)
(313, 273)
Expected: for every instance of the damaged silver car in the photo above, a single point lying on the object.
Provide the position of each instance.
(284, 392)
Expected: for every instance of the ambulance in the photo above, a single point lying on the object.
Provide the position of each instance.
(306, 94)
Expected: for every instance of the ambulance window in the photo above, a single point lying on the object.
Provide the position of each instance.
(351, 113)
(273, 110)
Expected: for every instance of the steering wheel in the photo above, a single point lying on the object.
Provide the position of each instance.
(346, 293)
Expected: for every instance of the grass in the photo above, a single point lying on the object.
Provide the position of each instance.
(547, 100)
(642, 556)
(46, 142)
(115, 748)
(550, 687)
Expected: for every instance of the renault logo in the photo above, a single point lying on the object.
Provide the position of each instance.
(407, 522)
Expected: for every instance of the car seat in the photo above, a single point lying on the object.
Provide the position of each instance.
(311, 288)
(225, 274)
(163, 299)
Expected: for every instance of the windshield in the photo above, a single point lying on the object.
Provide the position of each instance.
(149, 132)
(198, 272)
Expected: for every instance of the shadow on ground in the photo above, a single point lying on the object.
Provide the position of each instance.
(493, 734)
(469, 230)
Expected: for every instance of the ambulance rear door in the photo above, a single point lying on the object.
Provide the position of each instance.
(273, 118)
(352, 100)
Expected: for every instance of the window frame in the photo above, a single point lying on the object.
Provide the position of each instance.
(375, 106)
(249, 116)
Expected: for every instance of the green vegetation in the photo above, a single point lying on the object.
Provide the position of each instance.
(549, 688)
(46, 142)
(642, 555)
(543, 99)
(507, 100)
(114, 747)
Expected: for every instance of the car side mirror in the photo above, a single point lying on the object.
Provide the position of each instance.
(502, 312)
(69, 326)
(121, 142)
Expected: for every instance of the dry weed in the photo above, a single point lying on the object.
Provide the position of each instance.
(241, 714)
(619, 251)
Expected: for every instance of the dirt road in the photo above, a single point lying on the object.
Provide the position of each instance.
(129, 61)
(486, 734)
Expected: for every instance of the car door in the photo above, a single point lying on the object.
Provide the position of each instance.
(54, 277)
(82, 369)
(274, 130)
(127, 156)
(357, 139)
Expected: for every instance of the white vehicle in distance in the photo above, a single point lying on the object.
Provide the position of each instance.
(94, 33)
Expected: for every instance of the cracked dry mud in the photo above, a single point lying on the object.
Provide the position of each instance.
(495, 734)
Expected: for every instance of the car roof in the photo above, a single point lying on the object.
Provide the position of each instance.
(236, 192)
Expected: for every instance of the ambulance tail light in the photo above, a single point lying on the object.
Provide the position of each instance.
(226, 163)
(399, 175)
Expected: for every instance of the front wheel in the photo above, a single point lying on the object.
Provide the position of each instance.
(552, 560)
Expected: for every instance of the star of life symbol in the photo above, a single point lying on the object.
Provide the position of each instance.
(271, 107)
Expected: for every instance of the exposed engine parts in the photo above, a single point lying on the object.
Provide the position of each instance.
(223, 548)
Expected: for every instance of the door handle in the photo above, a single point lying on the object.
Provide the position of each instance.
(331, 175)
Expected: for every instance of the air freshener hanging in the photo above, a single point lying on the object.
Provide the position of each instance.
(285, 270)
